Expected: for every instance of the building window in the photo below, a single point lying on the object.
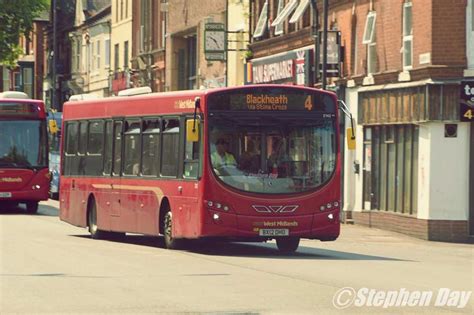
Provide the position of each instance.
(407, 36)
(300, 10)
(369, 40)
(17, 81)
(191, 62)
(116, 57)
(280, 27)
(262, 22)
(125, 55)
(28, 81)
(116, 10)
(98, 55)
(107, 52)
(121, 10)
(6, 79)
(391, 168)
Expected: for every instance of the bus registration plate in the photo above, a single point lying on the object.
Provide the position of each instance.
(274, 232)
(5, 194)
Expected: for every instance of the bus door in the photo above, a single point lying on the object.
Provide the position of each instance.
(130, 193)
(78, 187)
(115, 180)
(187, 190)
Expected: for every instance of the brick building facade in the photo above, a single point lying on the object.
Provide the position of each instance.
(402, 65)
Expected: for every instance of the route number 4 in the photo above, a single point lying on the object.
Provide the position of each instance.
(469, 114)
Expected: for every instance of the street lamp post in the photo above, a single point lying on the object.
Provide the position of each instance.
(316, 42)
(325, 42)
(315, 31)
(53, 79)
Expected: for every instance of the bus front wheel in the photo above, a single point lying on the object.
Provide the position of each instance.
(288, 244)
(32, 207)
(170, 242)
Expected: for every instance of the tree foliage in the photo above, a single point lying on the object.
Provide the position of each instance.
(16, 20)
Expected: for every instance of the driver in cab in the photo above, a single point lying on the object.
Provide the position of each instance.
(221, 157)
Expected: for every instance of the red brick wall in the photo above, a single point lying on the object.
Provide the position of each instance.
(438, 28)
(449, 32)
(433, 230)
(184, 14)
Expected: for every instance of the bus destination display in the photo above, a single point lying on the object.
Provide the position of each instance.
(271, 101)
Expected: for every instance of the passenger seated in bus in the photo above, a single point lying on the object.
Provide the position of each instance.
(277, 161)
(250, 159)
(221, 157)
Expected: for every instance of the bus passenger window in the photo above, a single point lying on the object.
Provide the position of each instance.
(170, 151)
(117, 147)
(132, 148)
(108, 148)
(96, 137)
(151, 147)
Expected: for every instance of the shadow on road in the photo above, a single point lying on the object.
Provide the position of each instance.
(257, 250)
(43, 210)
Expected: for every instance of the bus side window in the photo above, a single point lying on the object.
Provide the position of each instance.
(108, 148)
(191, 158)
(117, 148)
(170, 148)
(95, 145)
(151, 147)
(132, 148)
(71, 147)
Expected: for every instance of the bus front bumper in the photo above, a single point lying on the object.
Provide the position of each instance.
(323, 225)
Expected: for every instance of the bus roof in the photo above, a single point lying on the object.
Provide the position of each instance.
(161, 103)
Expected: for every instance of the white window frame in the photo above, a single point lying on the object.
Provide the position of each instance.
(279, 28)
(369, 32)
(369, 40)
(407, 37)
(290, 6)
(304, 4)
(98, 51)
(107, 52)
(371, 58)
(262, 22)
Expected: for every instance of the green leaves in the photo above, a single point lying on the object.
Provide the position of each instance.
(16, 20)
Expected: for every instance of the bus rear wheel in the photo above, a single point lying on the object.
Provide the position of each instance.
(32, 207)
(170, 241)
(92, 222)
(288, 244)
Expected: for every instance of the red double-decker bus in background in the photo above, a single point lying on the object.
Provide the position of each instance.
(249, 163)
(24, 173)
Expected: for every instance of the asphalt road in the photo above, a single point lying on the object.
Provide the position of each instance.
(48, 266)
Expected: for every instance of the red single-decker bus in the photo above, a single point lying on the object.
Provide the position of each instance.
(249, 163)
(24, 173)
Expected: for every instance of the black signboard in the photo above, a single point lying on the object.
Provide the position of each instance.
(466, 109)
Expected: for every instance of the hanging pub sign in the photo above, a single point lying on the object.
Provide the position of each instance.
(466, 109)
(333, 65)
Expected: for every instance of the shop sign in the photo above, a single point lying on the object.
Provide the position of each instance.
(466, 109)
(290, 68)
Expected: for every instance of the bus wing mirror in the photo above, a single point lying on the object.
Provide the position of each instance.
(53, 126)
(192, 130)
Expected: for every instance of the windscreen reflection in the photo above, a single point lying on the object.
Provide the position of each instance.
(272, 155)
